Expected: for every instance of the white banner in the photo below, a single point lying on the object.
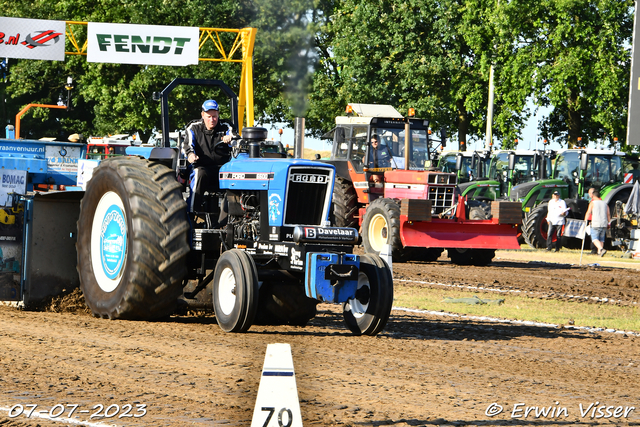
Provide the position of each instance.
(32, 39)
(574, 228)
(85, 171)
(12, 181)
(142, 44)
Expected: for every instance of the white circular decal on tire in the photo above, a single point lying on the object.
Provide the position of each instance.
(109, 241)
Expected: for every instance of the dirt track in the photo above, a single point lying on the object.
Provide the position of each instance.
(422, 370)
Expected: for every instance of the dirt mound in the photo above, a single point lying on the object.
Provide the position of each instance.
(72, 302)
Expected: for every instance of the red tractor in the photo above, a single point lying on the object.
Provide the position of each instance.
(397, 198)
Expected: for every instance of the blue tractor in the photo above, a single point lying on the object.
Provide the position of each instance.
(141, 255)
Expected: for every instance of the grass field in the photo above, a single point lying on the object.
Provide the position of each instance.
(557, 312)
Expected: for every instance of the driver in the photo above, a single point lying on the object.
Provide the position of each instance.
(379, 155)
(206, 148)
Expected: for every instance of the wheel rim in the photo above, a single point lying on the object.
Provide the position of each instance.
(358, 308)
(109, 241)
(378, 232)
(544, 229)
(227, 291)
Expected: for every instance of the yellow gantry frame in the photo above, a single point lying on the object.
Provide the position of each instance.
(244, 42)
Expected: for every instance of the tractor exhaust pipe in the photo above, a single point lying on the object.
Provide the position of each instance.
(298, 138)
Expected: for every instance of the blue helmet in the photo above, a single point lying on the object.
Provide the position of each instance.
(210, 104)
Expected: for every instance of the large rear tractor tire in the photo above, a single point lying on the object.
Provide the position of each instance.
(345, 204)
(368, 312)
(235, 291)
(132, 240)
(535, 227)
(381, 226)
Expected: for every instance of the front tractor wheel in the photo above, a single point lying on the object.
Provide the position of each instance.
(381, 226)
(235, 291)
(132, 240)
(368, 312)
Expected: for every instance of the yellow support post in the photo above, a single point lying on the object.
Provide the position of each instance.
(245, 101)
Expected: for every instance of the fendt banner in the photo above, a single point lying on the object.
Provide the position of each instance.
(32, 39)
(142, 44)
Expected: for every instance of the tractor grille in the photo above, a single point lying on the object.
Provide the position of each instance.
(307, 195)
(442, 188)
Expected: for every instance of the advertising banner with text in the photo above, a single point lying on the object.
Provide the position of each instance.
(32, 39)
(142, 44)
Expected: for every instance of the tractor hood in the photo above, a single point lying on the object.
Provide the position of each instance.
(298, 191)
(246, 173)
(519, 192)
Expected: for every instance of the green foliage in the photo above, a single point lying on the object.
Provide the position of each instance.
(312, 57)
(117, 98)
(429, 55)
(576, 53)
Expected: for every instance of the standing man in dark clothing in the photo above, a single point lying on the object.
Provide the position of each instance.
(206, 148)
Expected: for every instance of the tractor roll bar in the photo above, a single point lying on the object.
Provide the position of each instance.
(163, 97)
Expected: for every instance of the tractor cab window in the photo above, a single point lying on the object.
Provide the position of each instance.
(341, 137)
(350, 143)
(394, 140)
(499, 165)
(630, 165)
(466, 170)
(568, 169)
(601, 169)
(447, 163)
(523, 170)
(483, 167)
(419, 149)
(358, 148)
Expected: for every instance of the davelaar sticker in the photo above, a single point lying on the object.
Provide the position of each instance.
(274, 207)
(113, 238)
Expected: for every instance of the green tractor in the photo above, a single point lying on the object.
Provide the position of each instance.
(508, 168)
(467, 165)
(575, 171)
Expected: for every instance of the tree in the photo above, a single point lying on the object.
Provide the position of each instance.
(422, 54)
(118, 97)
(576, 54)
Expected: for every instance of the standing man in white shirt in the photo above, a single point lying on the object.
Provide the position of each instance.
(556, 212)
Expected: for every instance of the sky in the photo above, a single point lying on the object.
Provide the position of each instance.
(527, 142)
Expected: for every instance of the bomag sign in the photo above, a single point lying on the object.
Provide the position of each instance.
(142, 44)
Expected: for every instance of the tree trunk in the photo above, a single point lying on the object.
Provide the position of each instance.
(574, 121)
(463, 124)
